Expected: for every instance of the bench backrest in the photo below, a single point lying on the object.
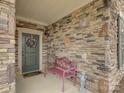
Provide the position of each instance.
(64, 63)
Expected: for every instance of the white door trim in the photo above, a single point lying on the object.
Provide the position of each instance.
(30, 31)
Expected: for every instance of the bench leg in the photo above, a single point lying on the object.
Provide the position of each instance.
(74, 81)
(74, 78)
(63, 87)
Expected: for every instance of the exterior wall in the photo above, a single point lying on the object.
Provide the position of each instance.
(7, 46)
(89, 36)
(24, 24)
(82, 37)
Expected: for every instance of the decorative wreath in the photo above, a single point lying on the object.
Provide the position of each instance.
(31, 42)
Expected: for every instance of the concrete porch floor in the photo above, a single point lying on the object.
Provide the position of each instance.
(41, 84)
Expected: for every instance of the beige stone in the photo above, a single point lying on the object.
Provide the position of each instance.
(3, 50)
(12, 42)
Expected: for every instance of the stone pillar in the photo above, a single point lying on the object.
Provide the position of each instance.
(7, 46)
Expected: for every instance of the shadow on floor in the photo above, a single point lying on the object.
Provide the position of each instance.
(32, 74)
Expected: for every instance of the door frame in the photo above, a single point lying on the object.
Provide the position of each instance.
(30, 31)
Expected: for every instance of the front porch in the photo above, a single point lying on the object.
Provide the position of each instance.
(87, 32)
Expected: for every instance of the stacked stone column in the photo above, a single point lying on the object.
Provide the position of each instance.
(7, 46)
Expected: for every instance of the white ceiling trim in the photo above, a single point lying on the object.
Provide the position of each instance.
(31, 20)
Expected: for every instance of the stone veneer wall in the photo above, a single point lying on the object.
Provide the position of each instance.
(29, 25)
(7, 46)
(89, 36)
(82, 37)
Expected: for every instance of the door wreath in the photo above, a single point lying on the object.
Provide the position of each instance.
(31, 42)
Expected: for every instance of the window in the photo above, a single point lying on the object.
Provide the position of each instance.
(120, 42)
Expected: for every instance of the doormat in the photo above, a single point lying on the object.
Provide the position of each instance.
(32, 74)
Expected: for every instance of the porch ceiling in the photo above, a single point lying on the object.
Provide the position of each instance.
(46, 11)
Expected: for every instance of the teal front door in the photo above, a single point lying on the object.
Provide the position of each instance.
(30, 52)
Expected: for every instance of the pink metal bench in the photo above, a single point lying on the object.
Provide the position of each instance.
(64, 68)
